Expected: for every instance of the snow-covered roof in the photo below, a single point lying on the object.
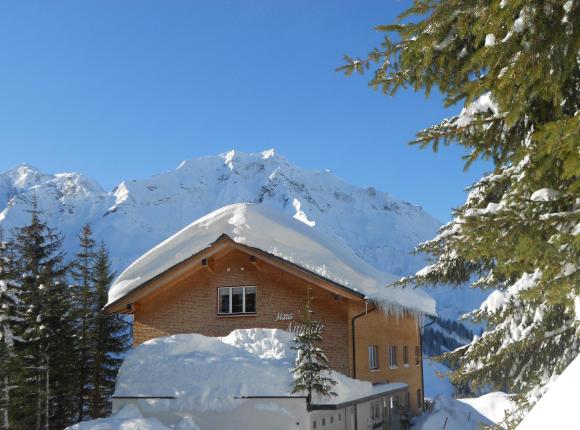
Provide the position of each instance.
(191, 379)
(275, 233)
(201, 373)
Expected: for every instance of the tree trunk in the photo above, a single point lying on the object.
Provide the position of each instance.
(6, 403)
(47, 394)
(38, 403)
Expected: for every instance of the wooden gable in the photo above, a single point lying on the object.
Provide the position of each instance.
(205, 260)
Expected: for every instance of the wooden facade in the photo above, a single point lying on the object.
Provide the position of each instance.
(184, 299)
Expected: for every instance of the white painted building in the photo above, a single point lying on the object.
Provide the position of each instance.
(378, 410)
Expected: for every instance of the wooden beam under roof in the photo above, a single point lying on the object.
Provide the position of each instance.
(205, 260)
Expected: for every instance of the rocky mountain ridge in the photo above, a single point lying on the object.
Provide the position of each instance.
(138, 214)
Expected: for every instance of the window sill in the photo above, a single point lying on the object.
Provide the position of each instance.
(374, 370)
(393, 367)
(235, 315)
(406, 365)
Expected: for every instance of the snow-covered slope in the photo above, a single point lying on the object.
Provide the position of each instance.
(262, 227)
(436, 379)
(137, 214)
(557, 408)
(465, 414)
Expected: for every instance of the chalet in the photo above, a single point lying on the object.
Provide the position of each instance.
(249, 266)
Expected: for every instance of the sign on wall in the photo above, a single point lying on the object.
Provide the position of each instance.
(297, 328)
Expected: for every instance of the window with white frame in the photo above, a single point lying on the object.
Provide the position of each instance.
(236, 300)
(393, 356)
(373, 357)
(405, 356)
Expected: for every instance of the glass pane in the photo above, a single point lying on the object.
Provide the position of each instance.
(237, 300)
(250, 299)
(224, 297)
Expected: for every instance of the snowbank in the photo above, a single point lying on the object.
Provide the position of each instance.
(493, 406)
(451, 414)
(211, 373)
(558, 408)
(271, 231)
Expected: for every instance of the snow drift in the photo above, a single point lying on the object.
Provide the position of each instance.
(465, 414)
(558, 408)
(269, 230)
(212, 373)
(190, 381)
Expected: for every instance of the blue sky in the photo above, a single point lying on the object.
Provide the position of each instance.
(126, 89)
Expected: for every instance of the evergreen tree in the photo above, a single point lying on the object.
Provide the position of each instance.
(46, 390)
(514, 67)
(86, 309)
(102, 339)
(110, 339)
(312, 369)
(11, 324)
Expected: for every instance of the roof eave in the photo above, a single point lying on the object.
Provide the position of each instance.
(123, 304)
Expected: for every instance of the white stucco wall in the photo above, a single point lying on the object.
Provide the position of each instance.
(278, 414)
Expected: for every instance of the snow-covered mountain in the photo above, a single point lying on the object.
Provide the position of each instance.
(138, 214)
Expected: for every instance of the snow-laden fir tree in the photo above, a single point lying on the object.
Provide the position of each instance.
(110, 339)
(46, 383)
(312, 369)
(84, 296)
(101, 338)
(514, 66)
(11, 324)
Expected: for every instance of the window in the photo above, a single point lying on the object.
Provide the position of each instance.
(236, 300)
(408, 402)
(375, 411)
(405, 356)
(331, 419)
(339, 416)
(373, 361)
(393, 356)
(419, 399)
(323, 422)
(314, 424)
(417, 355)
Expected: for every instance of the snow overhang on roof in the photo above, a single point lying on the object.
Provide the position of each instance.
(266, 229)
